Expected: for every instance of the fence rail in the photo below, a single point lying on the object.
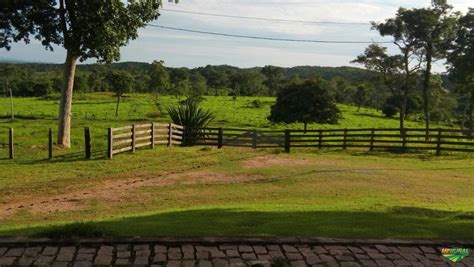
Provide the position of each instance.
(391, 138)
(129, 138)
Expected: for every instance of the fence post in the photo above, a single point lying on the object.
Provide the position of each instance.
(87, 140)
(50, 144)
(170, 133)
(254, 139)
(220, 138)
(344, 146)
(372, 132)
(183, 140)
(133, 138)
(438, 145)
(404, 139)
(11, 148)
(110, 143)
(152, 135)
(287, 140)
(320, 141)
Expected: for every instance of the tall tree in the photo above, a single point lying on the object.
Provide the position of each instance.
(430, 30)
(461, 60)
(395, 70)
(84, 29)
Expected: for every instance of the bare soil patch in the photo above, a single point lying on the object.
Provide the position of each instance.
(115, 190)
(271, 160)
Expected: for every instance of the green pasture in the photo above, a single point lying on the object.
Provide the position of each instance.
(197, 191)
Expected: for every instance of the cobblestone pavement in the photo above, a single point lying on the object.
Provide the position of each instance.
(224, 254)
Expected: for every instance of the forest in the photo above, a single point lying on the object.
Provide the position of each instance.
(348, 85)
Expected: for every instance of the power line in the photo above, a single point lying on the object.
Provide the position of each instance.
(268, 19)
(267, 38)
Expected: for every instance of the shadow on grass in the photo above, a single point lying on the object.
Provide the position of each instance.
(373, 116)
(67, 157)
(399, 222)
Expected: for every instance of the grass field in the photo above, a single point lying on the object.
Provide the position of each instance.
(37, 116)
(205, 191)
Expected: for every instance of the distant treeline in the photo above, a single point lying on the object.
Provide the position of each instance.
(347, 84)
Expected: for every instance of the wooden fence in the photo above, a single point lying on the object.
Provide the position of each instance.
(398, 139)
(129, 138)
(11, 144)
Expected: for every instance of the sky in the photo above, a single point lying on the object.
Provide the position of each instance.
(184, 49)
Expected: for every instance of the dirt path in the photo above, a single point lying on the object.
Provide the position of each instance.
(117, 189)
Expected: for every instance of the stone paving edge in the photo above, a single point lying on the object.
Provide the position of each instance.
(231, 240)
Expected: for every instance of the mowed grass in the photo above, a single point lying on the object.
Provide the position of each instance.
(200, 192)
(196, 191)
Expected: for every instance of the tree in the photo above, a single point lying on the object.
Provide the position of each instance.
(85, 30)
(305, 102)
(94, 81)
(461, 60)
(120, 82)
(274, 79)
(360, 96)
(216, 78)
(247, 83)
(159, 77)
(389, 108)
(395, 71)
(432, 29)
(340, 89)
(198, 84)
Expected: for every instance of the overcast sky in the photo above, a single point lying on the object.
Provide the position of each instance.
(191, 49)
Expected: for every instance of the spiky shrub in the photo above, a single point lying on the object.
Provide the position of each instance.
(193, 118)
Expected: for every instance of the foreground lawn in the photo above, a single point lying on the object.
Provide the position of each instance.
(200, 191)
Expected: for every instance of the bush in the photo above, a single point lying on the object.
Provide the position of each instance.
(255, 104)
(192, 117)
(389, 110)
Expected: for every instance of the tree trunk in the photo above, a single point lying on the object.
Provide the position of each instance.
(402, 115)
(65, 106)
(426, 88)
(118, 104)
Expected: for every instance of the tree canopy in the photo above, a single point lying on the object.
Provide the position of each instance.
(84, 29)
(305, 102)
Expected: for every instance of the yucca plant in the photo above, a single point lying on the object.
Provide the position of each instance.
(192, 117)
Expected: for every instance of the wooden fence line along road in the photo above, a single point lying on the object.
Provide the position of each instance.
(129, 138)
(402, 139)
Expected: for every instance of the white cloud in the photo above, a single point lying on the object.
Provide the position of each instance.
(189, 49)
